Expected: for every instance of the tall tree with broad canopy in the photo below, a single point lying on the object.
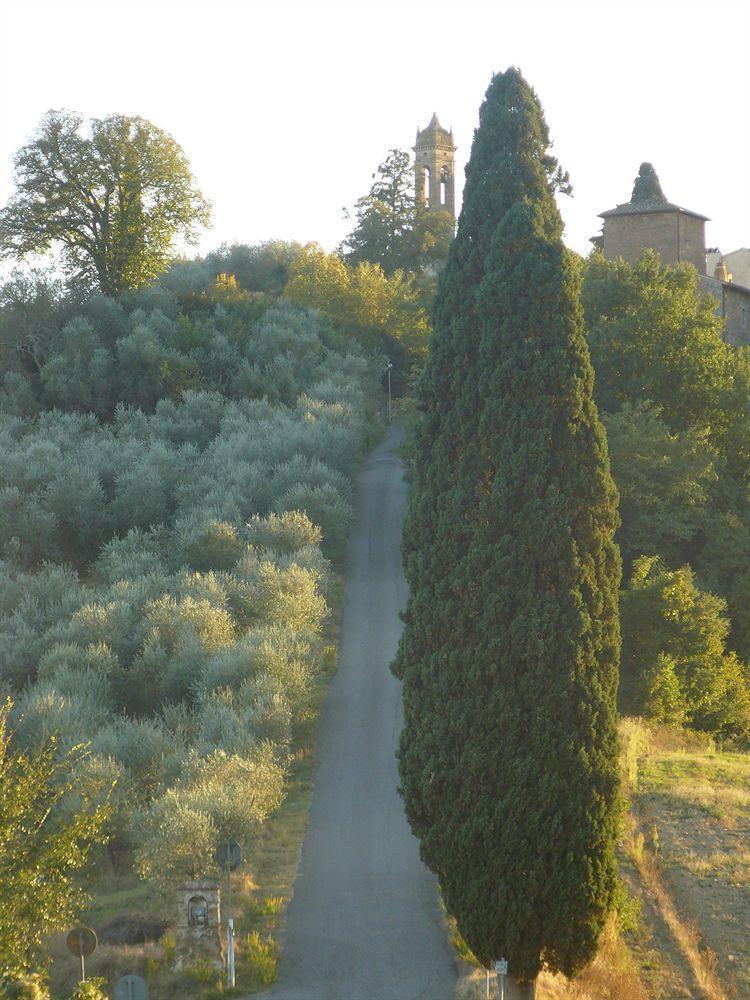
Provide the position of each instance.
(392, 229)
(114, 200)
(509, 656)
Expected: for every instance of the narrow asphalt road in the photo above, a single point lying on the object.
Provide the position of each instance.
(364, 922)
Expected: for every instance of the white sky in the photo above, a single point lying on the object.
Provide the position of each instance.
(285, 108)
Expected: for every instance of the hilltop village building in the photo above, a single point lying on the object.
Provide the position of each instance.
(678, 234)
(434, 168)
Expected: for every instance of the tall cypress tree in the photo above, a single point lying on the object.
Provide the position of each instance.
(508, 757)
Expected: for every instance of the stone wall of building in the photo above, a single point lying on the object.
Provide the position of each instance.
(733, 304)
(738, 264)
(675, 236)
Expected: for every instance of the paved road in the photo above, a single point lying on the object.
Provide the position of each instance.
(364, 922)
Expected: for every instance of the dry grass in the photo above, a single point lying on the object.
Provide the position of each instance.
(613, 975)
(701, 960)
(688, 848)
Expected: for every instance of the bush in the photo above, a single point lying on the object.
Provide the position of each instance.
(671, 630)
(662, 698)
(144, 749)
(286, 532)
(92, 989)
(324, 506)
(23, 986)
(138, 553)
(214, 546)
(237, 792)
(262, 593)
(175, 842)
(262, 957)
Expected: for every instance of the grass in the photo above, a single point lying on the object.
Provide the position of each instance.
(687, 848)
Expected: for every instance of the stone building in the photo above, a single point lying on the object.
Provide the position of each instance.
(732, 302)
(434, 163)
(677, 234)
(649, 220)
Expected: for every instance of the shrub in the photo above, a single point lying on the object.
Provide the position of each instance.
(171, 621)
(324, 506)
(237, 792)
(286, 532)
(214, 546)
(262, 956)
(144, 749)
(175, 841)
(45, 712)
(670, 628)
(662, 698)
(261, 593)
(23, 986)
(92, 989)
(138, 553)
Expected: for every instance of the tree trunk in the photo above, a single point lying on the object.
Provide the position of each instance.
(514, 990)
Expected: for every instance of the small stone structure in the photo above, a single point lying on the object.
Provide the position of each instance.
(198, 925)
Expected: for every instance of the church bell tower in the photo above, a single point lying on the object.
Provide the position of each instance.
(434, 184)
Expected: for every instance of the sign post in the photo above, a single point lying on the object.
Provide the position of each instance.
(501, 968)
(82, 942)
(229, 856)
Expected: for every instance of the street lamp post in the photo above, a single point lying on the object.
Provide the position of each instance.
(388, 369)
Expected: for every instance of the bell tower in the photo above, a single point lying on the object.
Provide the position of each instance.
(434, 184)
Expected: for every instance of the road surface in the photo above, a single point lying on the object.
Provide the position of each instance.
(364, 922)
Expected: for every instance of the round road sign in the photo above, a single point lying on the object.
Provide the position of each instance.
(228, 855)
(131, 988)
(81, 942)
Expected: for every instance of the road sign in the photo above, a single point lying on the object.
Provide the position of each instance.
(131, 988)
(228, 855)
(82, 942)
(501, 967)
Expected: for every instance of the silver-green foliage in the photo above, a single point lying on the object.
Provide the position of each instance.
(204, 528)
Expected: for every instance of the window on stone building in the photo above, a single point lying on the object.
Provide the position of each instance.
(426, 182)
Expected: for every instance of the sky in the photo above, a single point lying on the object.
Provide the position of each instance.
(286, 107)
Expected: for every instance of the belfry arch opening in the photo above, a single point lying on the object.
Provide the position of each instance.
(426, 185)
(444, 180)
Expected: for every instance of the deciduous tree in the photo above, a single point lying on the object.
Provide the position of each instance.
(41, 849)
(392, 229)
(113, 200)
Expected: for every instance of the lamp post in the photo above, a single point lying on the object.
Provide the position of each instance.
(388, 370)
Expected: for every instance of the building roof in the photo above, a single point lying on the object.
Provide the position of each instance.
(434, 132)
(647, 197)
